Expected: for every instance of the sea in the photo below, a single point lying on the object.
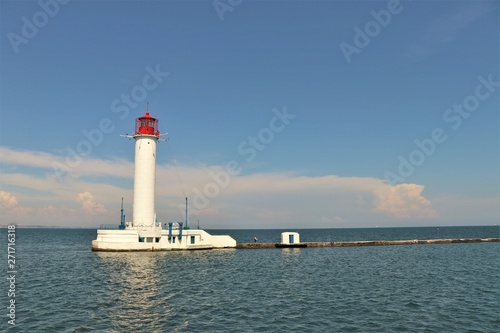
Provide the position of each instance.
(60, 285)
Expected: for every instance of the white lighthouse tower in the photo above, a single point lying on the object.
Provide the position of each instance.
(144, 232)
(146, 135)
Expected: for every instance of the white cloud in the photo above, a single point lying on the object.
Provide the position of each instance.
(7, 200)
(286, 199)
(89, 205)
(404, 201)
(9, 205)
(261, 200)
(69, 167)
(56, 214)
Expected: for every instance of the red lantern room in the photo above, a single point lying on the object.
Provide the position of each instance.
(146, 125)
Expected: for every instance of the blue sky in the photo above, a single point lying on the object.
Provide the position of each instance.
(322, 136)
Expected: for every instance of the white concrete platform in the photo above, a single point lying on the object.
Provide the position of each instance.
(137, 239)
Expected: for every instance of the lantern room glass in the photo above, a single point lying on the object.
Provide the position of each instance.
(146, 125)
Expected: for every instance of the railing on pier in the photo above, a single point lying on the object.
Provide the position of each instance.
(111, 227)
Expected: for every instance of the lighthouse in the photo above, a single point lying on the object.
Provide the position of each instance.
(146, 135)
(144, 233)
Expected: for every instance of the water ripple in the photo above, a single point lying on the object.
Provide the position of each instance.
(63, 287)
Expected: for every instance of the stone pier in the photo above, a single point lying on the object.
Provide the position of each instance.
(367, 243)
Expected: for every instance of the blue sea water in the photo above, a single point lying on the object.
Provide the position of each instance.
(62, 286)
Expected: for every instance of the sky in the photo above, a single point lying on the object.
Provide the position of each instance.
(278, 114)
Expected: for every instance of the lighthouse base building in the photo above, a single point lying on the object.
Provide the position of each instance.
(144, 232)
(133, 239)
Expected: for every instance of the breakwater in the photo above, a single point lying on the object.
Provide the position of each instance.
(366, 243)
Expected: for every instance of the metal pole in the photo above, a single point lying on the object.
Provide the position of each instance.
(169, 230)
(186, 212)
(180, 232)
(122, 218)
